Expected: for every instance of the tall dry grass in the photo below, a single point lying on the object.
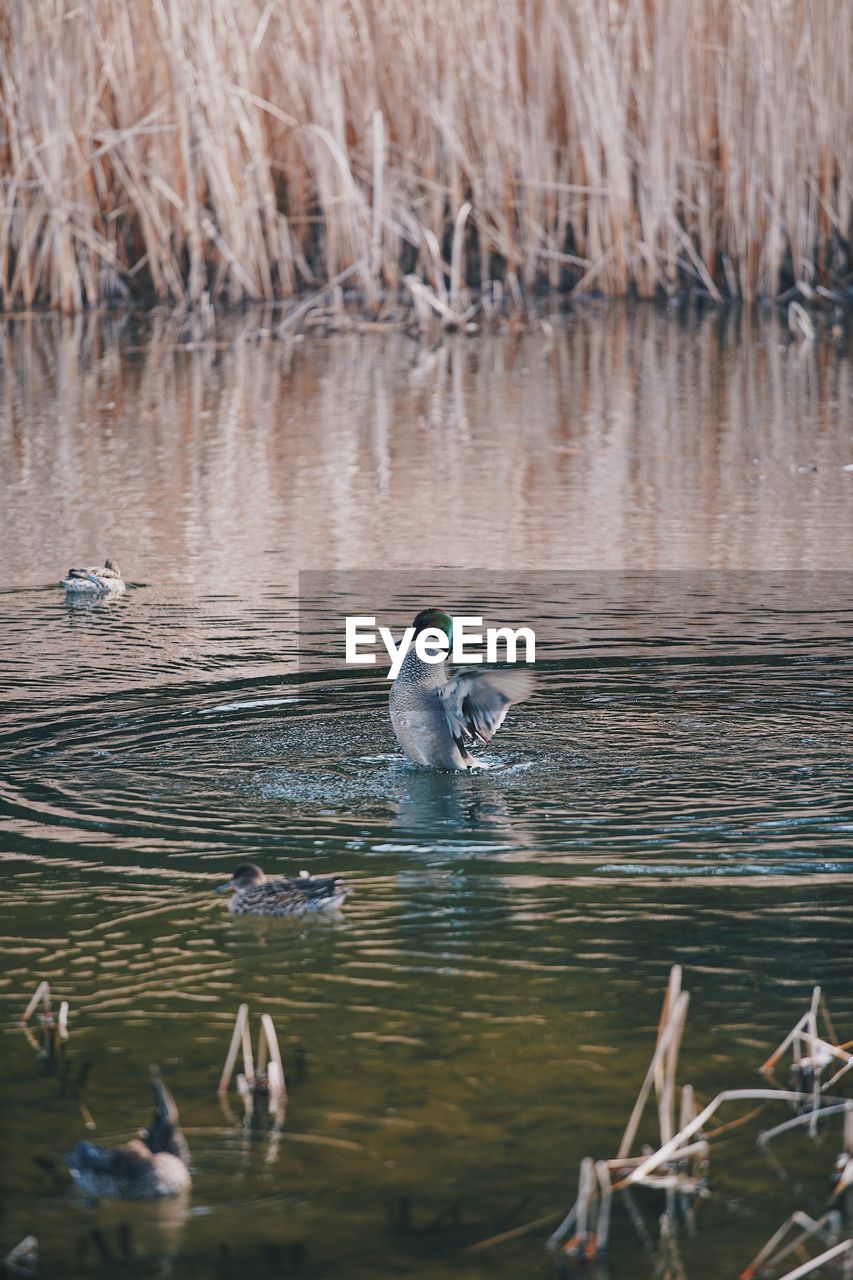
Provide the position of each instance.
(247, 149)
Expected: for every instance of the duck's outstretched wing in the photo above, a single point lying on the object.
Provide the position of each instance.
(475, 701)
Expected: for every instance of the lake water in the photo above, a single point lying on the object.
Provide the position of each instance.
(480, 1017)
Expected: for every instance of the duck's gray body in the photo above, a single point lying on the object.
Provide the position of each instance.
(437, 713)
(144, 1169)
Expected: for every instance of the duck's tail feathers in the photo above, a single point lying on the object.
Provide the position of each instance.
(164, 1132)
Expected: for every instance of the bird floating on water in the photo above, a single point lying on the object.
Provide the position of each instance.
(437, 714)
(258, 895)
(103, 580)
(155, 1164)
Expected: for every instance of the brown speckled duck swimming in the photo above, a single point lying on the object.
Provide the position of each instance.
(258, 895)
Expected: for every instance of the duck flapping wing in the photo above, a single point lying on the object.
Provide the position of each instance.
(475, 701)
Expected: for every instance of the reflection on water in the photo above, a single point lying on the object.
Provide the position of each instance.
(635, 439)
(481, 1016)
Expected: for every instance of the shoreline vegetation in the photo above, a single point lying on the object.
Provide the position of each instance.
(455, 158)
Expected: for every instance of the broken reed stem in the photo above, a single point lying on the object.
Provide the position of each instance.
(814, 1264)
(813, 1052)
(602, 1228)
(586, 1192)
(665, 1152)
(269, 1071)
(681, 1153)
(563, 1229)
(595, 1187)
(667, 1107)
(827, 1017)
(665, 1038)
(238, 1038)
(834, 1079)
(810, 1055)
(791, 1038)
(275, 1073)
(662, 1073)
(810, 1228)
(41, 997)
(687, 1109)
(514, 1233)
(806, 1118)
(246, 1040)
(456, 256)
(797, 1219)
(734, 1124)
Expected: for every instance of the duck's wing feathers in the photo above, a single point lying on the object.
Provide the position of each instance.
(296, 895)
(319, 889)
(476, 701)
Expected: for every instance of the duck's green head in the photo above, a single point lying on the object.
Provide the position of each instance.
(434, 618)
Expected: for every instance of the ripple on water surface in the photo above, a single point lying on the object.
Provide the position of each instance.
(481, 1015)
(643, 808)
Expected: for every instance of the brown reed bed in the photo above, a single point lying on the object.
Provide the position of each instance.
(233, 150)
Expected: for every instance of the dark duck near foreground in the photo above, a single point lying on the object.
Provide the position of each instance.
(258, 895)
(100, 581)
(437, 714)
(153, 1165)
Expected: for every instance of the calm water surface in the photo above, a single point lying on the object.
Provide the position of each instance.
(481, 1016)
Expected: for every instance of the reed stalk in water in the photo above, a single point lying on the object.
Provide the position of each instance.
(243, 149)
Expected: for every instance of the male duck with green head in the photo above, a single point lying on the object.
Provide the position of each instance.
(437, 714)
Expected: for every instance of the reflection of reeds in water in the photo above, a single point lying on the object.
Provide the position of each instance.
(633, 441)
(242, 149)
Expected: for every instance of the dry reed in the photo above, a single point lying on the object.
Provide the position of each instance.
(678, 1165)
(197, 150)
(781, 1245)
(263, 1075)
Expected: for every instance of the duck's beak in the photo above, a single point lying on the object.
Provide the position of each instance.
(223, 888)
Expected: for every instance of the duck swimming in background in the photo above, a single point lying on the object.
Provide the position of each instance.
(106, 579)
(150, 1166)
(437, 714)
(258, 895)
